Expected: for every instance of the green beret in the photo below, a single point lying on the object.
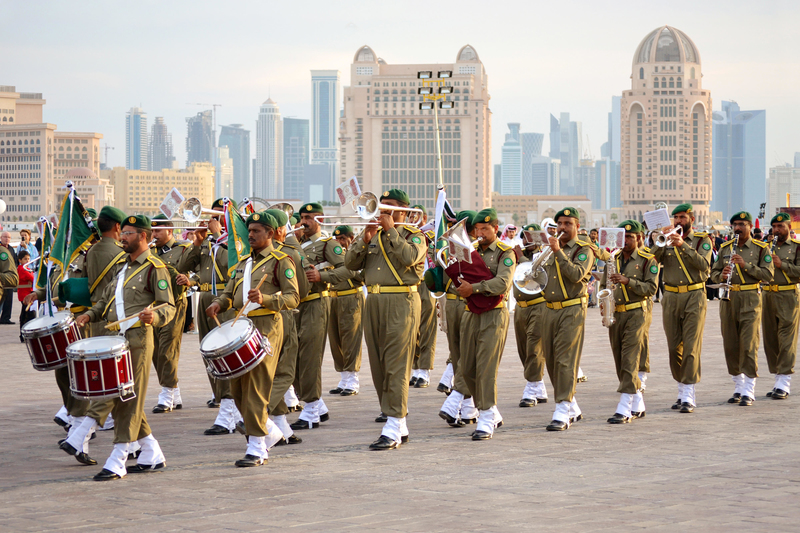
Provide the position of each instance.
(312, 207)
(485, 216)
(92, 213)
(137, 221)
(397, 195)
(534, 227)
(280, 216)
(567, 212)
(683, 208)
(295, 220)
(343, 230)
(631, 226)
(263, 218)
(742, 216)
(160, 220)
(420, 207)
(218, 203)
(781, 217)
(112, 213)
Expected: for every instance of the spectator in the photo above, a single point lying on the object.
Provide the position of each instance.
(24, 289)
(8, 296)
(26, 244)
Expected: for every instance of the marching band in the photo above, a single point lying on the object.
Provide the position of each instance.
(112, 300)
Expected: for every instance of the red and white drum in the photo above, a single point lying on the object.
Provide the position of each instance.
(100, 368)
(47, 338)
(233, 349)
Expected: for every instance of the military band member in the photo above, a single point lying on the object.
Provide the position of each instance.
(425, 351)
(685, 266)
(345, 328)
(644, 359)
(749, 263)
(392, 261)
(569, 272)
(781, 308)
(252, 390)
(142, 284)
(483, 336)
(636, 281)
(528, 332)
(324, 266)
(168, 337)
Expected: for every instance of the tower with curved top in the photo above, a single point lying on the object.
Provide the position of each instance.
(666, 128)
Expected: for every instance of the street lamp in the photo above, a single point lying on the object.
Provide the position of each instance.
(430, 98)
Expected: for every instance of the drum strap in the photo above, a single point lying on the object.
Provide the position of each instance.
(113, 262)
(246, 282)
(121, 275)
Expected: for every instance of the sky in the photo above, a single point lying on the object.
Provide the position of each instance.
(93, 61)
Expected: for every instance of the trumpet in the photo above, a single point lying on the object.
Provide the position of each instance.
(662, 239)
(606, 296)
(191, 211)
(368, 207)
(531, 277)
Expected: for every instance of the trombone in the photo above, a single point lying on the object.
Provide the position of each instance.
(368, 207)
(191, 211)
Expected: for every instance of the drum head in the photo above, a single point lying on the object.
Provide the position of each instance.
(97, 346)
(47, 324)
(228, 337)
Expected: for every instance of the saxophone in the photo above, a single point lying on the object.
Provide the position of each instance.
(606, 297)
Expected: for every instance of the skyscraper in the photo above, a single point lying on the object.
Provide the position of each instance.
(545, 176)
(612, 156)
(136, 139)
(566, 145)
(325, 98)
(497, 177)
(268, 179)
(237, 139)
(531, 148)
(797, 160)
(200, 138)
(160, 147)
(224, 174)
(511, 170)
(740, 160)
(666, 128)
(295, 157)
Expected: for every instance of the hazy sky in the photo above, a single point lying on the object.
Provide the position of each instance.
(95, 60)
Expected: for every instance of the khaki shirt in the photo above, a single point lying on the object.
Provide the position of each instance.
(642, 273)
(98, 258)
(789, 272)
(293, 251)
(200, 260)
(279, 289)
(757, 263)
(9, 278)
(147, 282)
(501, 261)
(688, 264)
(402, 253)
(172, 252)
(327, 255)
(569, 271)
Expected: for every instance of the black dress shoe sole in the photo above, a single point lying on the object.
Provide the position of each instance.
(541, 400)
(557, 427)
(383, 444)
(736, 398)
(60, 422)
(147, 469)
(217, 430)
(412, 382)
(687, 409)
(162, 409)
(106, 475)
(337, 390)
(421, 384)
(746, 401)
(779, 395)
(68, 448)
(325, 417)
(770, 393)
(619, 420)
(246, 464)
(639, 414)
(381, 419)
(84, 459)
(348, 392)
(302, 424)
(527, 402)
(481, 435)
(444, 389)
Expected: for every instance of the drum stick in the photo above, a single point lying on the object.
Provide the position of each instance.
(244, 305)
(217, 321)
(118, 322)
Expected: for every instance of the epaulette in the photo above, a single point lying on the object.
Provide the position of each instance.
(430, 234)
(645, 254)
(277, 254)
(592, 245)
(326, 239)
(412, 229)
(646, 249)
(118, 243)
(796, 241)
(726, 243)
(762, 244)
(157, 262)
(701, 234)
(503, 246)
(185, 244)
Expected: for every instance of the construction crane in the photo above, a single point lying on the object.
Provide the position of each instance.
(106, 148)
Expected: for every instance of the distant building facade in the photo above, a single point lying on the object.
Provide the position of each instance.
(200, 138)
(295, 157)
(325, 106)
(511, 170)
(237, 140)
(136, 139)
(782, 181)
(268, 178)
(160, 155)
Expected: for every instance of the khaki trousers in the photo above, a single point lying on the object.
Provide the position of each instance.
(391, 321)
(130, 421)
(287, 365)
(528, 332)
(75, 406)
(740, 318)
(425, 349)
(220, 387)
(346, 331)
(455, 310)
(627, 336)
(780, 317)
(644, 360)
(312, 327)
(483, 338)
(168, 346)
(562, 344)
(684, 317)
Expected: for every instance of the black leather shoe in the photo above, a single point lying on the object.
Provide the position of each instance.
(84, 459)
(134, 455)
(421, 384)
(60, 422)
(452, 422)
(348, 392)
(481, 435)
(412, 382)
(779, 394)
(736, 398)
(302, 424)
(60, 442)
(528, 402)
(443, 389)
(619, 419)
(557, 425)
(146, 469)
(216, 429)
(161, 408)
(178, 406)
(212, 404)
(7, 323)
(68, 448)
(250, 460)
(638, 414)
(541, 400)
(468, 421)
(240, 428)
(325, 417)
(677, 404)
(381, 418)
(293, 439)
(686, 407)
(337, 390)
(296, 409)
(403, 439)
(746, 401)
(582, 379)
(384, 443)
(575, 419)
(770, 393)
(106, 475)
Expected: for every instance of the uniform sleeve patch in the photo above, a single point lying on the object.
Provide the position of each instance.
(416, 240)
(508, 261)
(3, 256)
(581, 257)
(162, 284)
(768, 258)
(654, 269)
(706, 246)
(289, 273)
(337, 250)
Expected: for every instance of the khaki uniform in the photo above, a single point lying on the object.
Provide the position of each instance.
(454, 309)
(483, 336)
(781, 310)
(392, 269)
(146, 282)
(568, 273)
(345, 328)
(740, 317)
(425, 350)
(168, 337)
(628, 333)
(528, 332)
(684, 303)
(252, 391)
(9, 278)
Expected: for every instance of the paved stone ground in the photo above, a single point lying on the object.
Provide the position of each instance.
(722, 468)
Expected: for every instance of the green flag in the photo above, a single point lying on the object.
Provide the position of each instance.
(238, 244)
(74, 234)
(46, 231)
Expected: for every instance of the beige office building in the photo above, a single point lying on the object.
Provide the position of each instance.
(782, 181)
(666, 128)
(141, 192)
(75, 150)
(95, 192)
(388, 142)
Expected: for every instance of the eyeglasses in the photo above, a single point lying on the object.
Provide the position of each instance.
(129, 233)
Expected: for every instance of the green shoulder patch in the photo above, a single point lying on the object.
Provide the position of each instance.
(706, 246)
(654, 269)
(768, 258)
(162, 284)
(581, 256)
(289, 273)
(337, 250)
(508, 261)
(3, 256)
(416, 240)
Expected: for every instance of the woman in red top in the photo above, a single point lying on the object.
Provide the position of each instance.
(24, 289)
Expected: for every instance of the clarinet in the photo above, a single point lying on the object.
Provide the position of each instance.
(725, 290)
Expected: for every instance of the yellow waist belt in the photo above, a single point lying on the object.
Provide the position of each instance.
(530, 303)
(498, 306)
(750, 287)
(75, 309)
(261, 312)
(348, 292)
(315, 296)
(684, 288)
(206, 287)
(627, 307)
(378, 289)
(780, 288)
(137, 324)
(567, 303)
(454, 297)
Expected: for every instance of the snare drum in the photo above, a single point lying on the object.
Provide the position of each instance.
(100, 368)
(47, 338)
(233, 349)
